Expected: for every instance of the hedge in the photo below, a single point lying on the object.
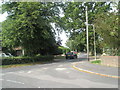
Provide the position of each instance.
(22, 60)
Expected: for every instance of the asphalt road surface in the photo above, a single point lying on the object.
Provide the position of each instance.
(54, 75)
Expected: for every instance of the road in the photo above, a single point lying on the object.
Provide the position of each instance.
(59, 74)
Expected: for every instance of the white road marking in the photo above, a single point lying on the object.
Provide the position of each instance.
(29, 71)
(21, 71)
(14, 81)
(60, 65)
(60, 69)
(1, 79)
(45, 68)
(67, 72)
(76, 63)
(9, 72)
(2, 74)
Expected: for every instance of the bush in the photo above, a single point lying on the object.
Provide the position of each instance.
(22, 60)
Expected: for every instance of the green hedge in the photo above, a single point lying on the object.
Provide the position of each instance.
(22, 60)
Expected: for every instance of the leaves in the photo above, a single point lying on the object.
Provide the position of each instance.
(29, 26)
(107, 27)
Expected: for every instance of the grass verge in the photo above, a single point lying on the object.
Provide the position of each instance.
(26, 64)
(96, 62)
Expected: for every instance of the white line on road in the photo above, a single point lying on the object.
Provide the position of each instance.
(45, 68)
(21, 71)
(60, 65)
(29, 71)
(67, 72)
(8, 73)
(60, 68)
(1, 79)
(2, 74)
(14, 81)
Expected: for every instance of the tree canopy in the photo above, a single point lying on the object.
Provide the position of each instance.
(29, 25)
(74, 22)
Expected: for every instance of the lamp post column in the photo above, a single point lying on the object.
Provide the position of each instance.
(87, 34)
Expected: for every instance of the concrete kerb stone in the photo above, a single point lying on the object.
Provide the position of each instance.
(87, 71)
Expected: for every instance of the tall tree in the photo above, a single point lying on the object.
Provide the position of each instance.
(107, 27)
(75, 22)
(29, 25)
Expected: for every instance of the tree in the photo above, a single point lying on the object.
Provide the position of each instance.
(107, 27)
(29, 25)
(74, 22)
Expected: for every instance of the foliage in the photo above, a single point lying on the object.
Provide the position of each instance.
(29, 25)
(64, 49)
(23, 60)
(107, 27)
(74, 23)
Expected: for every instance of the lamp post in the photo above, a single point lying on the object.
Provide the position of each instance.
(87, 33)
(94, 40)
(87, 36)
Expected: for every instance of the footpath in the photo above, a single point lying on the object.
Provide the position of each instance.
(88, 67)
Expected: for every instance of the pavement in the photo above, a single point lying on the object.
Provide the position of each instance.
(88, 67)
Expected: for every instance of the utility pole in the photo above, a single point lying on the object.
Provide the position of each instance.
(87, 33)
(94, 42)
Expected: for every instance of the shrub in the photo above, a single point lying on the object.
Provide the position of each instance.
(22, 60)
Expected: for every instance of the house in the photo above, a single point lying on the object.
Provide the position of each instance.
(19, 51)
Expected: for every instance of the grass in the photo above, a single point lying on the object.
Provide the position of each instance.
(14, 65)
(96, 62)
(26, 64)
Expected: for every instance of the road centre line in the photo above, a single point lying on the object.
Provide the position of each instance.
(14, 81)
(2, 74)
(1, 79)
(87, 71)
(67, 72)
(60, 65)
(29, 71)
(59, 69)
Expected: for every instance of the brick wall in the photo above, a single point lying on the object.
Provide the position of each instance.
(111, 60)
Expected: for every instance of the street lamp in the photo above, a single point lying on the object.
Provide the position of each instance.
(87, 33)
(94, 40)
(86, 23)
